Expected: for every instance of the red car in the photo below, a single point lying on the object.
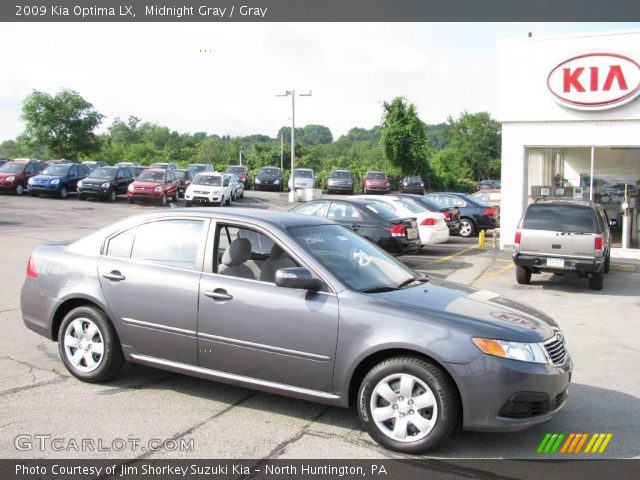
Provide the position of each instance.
(376, 182)
(154, 184)
(15, 175)
(241, 172)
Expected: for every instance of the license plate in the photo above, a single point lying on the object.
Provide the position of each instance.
(412, 233)
(555, 262)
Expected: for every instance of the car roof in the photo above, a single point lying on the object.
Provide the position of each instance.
(564, 201)
(210, 174)
(155, 170)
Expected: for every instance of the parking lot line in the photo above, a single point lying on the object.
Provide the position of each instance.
(500, 271)
(623, 267)
(449, 257)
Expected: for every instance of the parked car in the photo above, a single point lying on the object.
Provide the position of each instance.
(200, 167)
(431, 225)
(58, 161)
(94, 164)
(209, 187)
(412, 184)
(341, 181)
(563, 236)
(451, 214)
(331, 318)
(489, 195)
(137, 170)
(57, 179)
(105, 183)
(15, 175)
(237, 187)
(376, 182)
(155, 185)
(269, 178)
(163, 166)
(242, 173)
(475, 214)
(495, 184)
(185, 177)
(304, 177)
(3, 160)
(127, 164)
(614, 192)
(376, 222)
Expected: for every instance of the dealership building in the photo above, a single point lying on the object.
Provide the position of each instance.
(570, 113)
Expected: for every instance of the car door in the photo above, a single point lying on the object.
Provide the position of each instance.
(255, 329)
(149, 276)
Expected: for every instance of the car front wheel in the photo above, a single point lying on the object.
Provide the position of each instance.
(63, 192)
(113, 196)
(88, 345)
(467, 228)
(163, 200)
(408, 404)
(19, 189)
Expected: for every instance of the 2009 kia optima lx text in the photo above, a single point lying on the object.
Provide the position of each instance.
(300, 306)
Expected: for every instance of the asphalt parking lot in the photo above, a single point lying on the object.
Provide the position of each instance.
(41, 401)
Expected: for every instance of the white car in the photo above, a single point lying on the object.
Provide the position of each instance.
(432, 226)
(209, 187)
(304, 178)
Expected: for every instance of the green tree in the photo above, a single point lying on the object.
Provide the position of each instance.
(404, 136)
(63, 124)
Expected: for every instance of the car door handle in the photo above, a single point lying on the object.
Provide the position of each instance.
(114, 275)
(218, 294)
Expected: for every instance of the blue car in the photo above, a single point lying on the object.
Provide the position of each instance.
(475, 215)
(58, 179)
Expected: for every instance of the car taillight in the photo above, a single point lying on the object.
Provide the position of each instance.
(518, 237)
(31, 268)
(428, 221)
(447, 216)
(491, 212)
(598, 244)
(397, 231)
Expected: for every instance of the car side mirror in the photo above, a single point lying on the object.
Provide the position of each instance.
(613, 223)
(296, 277)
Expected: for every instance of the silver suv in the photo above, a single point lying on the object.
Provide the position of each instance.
(563, 236)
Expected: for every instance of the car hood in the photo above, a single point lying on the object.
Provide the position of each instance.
(137, 184)
(48, 177)
(7, 174)
(205, 188)
(483, 313)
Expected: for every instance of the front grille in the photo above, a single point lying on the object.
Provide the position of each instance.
(556, 349)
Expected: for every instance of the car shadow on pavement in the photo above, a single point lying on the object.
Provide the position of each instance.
(588, 410)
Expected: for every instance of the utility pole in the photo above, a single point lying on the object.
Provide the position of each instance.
(240, 156)
(292, 198)
(281, 150)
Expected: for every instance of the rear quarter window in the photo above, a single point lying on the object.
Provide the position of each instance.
(560, 218)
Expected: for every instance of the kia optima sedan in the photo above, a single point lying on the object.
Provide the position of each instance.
(300, 306)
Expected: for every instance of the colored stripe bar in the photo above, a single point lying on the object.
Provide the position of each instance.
(568, 442)
(555, 447)
(591, 442)
(552, 440)
(605, 443)
(581, 443)
(543, 443)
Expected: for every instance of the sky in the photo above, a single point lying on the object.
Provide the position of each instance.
(223, 78)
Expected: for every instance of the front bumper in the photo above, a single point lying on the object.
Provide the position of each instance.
(507, 395)
(145, 195)
(266, 186)
(415, 190)
(340, 188)
(94, 192)
(538, 263)
(44, 188)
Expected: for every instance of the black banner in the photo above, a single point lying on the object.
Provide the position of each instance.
(418, 469)
(318, 10)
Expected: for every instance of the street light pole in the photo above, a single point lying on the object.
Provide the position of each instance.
(293, 137)
(281, 151)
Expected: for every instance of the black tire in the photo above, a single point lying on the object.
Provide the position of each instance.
(176, 196)
(113, 196)
(523, 275)
(63, 192)
(227, 201)
(446, 408)
(607, 263)
(111, 359)
(19, 190)
(467, 228)
(596, 282)
(164, 199)
(187, 203)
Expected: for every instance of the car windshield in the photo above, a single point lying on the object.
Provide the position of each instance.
(157, 177)
(304, 173)
(211, 180)
(104, 172)
(12, 167)
(160, 165)
(197, 168)
(559, 218)
(235, 170)
(414, 179)
(376, 176)
(358, 263)
(269, 171)
(340, 174)
(57, 170)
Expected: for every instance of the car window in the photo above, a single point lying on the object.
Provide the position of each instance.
(173, 243)
(313, 208)
(410, 205)
(30, 169)
(341, 211)
(120, 245)
(559, 218)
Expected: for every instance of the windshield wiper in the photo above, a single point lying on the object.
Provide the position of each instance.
(420, 279)
(379, 289)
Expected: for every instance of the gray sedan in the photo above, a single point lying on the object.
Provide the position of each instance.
(300, 306)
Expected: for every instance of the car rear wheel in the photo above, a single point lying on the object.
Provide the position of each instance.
(596, 282)
(467, 228)
(607, 263)
(523, 275)
(63, 192)
(88, 345)
(408, 404)
(19, 189)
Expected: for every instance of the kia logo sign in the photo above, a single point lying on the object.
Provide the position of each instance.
(595, 81)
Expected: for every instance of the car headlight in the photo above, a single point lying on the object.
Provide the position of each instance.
(104, 185)
(277, 182)
(10, 179)
(55, 182)
(79, 184)
(258, 180)
(524, 352)
(30, 181)
(158, 189)
(131, 188)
